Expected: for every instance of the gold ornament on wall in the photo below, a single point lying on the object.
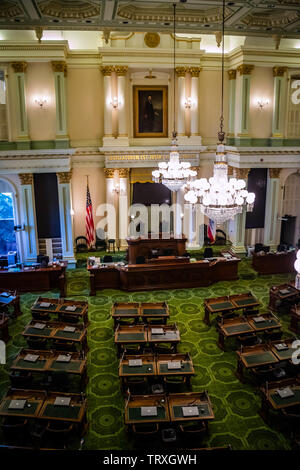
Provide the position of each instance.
(19, 67)
(39, 31)
(274, 172)
(26, 178)
(123, 172)
(109, 172)
(231, 74)
(64, 177)
(59, 66)
(245, 69)
(152, 39)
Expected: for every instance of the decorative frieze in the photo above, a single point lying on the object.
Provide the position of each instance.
(19, 67)
(123, 172)
(245, 69)
(64, 177)
(26, 178)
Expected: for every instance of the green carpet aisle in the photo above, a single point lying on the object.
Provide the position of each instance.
(236, 405)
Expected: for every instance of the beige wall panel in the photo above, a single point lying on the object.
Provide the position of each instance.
(97, 187)
(210, 105)
(261, 88)
(40, 84)
(84, 106)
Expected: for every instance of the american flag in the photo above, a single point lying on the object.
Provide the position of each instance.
(211, 231)
(89, 221)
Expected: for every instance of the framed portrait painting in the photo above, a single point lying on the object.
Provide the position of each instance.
(150, 111)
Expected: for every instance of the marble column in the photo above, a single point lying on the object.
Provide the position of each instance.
(231, 98)
(272, 224)
(179, 213)
(236, 226)
(123, 206)
(278, 105)
(122, 138)
(181, 73)
(112, 204)
(195, 138)
(243, 134)
(60, 73)
(22, 137)
(66, 226)
(107, 100)
(29, 235)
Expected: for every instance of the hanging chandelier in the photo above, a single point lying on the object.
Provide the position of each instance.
(220, 198)
(174, 174)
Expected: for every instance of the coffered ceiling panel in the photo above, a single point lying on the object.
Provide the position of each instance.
(251, 17)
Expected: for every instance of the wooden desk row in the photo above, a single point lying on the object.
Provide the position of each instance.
(295, 319)
(169, 409)
(57, 332)
(39, 406)
(35, 279)
(49, 362)
(140, 311)
(142, 335)
(262, 355)
(156, 365)
(241, 326)
(274, 263)
(136, 277)
(65, 310)
(229, 303)
(283, 297)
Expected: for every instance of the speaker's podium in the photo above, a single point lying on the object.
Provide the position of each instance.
(154, 246)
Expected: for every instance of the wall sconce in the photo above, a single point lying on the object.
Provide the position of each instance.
(261, 103)
(41, 102)
(117, 190)
(115, 103)
(189, 103)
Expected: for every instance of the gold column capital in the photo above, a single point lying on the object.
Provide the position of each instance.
(194, 71)
(181, 71)
(242, 173)
(106, 69)
(245, 69)
(274, 172)
(64, 177)
(59, 66)
(231, 74)
(279, 71)
(19, 67)
(121, 70)
(109, 172)
(26, 178)
(123, 172)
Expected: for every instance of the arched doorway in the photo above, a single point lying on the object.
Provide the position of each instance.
(290, 228)
(8, 216)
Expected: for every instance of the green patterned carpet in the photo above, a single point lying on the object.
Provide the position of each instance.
(235, 404)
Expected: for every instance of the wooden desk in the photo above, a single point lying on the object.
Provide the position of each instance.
(13, 300)
(232, 327)
(35, 279)
(55, 332)
(274, 263)
(4, 334)
(149, 276)
(47, 363)
(254, 356)
(227, 304)
(186, 369)
(272, 400)
(135, 403)
(145, 311)
(295, 319)
(285, 354)
(170, 335)
(133, 334)
(283, 296)
(58, 307)
(270, 322)
(40, 406)
(144, 246)
(200, 400)
(168, 260)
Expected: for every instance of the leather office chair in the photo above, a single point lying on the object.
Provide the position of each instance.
(145, 429)
(140, 260)
(81, 244)
(20, 379)
(59, 432)
(107, 259)
(208, 253)
(37, 343)
(14, 429)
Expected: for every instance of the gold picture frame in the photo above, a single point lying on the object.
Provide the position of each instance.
(150, 106)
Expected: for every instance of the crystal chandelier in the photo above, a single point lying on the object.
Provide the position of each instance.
(220, 198)
(174, 174)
